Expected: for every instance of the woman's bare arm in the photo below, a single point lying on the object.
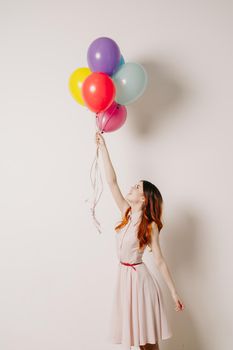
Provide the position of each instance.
(110, 174)
(162, 266)
(108, 167)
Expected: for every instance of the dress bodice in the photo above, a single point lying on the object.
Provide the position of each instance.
(127, 243)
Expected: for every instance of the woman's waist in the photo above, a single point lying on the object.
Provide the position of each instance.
(130, 263)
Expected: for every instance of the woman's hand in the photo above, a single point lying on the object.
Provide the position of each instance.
(179, 306)
(99, 139)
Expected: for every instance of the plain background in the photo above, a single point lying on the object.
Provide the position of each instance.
(57, 272)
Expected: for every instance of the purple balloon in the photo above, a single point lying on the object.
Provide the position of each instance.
(104, 56)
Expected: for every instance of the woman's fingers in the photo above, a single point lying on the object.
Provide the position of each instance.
(99, 137)
(179, 306)
(178, 303)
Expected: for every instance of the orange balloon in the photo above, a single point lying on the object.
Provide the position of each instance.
(98, 91)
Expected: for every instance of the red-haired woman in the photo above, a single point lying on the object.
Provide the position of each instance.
(138, 316)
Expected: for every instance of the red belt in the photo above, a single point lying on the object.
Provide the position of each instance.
(128, 264)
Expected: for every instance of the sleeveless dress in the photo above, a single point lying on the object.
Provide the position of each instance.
(138, 314)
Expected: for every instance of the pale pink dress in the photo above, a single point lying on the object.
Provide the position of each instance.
(138, 314)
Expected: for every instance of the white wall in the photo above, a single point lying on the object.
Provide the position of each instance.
(57, 272)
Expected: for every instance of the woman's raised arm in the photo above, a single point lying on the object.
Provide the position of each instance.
(110, 174)
(108, 167)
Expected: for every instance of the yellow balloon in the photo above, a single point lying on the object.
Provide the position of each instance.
(76, 81)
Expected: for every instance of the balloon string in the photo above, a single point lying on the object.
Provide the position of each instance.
(95, 176)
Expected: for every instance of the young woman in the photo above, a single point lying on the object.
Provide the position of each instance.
(138, 315)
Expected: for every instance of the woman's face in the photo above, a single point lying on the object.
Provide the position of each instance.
(136, 193)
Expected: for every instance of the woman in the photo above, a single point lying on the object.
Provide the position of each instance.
(138, 315)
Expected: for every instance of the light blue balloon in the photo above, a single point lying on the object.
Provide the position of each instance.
(122, 61)
(130, 81)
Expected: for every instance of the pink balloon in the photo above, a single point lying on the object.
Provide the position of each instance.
(112, 118)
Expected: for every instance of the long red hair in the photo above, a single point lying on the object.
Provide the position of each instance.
(151, 211)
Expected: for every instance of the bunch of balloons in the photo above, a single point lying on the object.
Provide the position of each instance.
(108, 84)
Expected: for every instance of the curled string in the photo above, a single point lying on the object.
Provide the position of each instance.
(96, 178)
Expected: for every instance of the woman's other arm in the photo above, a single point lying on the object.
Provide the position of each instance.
(163, 268)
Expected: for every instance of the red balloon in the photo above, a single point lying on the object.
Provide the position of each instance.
(98, 91)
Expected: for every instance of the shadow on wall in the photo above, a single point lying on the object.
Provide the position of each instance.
(182, 241)
(166, 91)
